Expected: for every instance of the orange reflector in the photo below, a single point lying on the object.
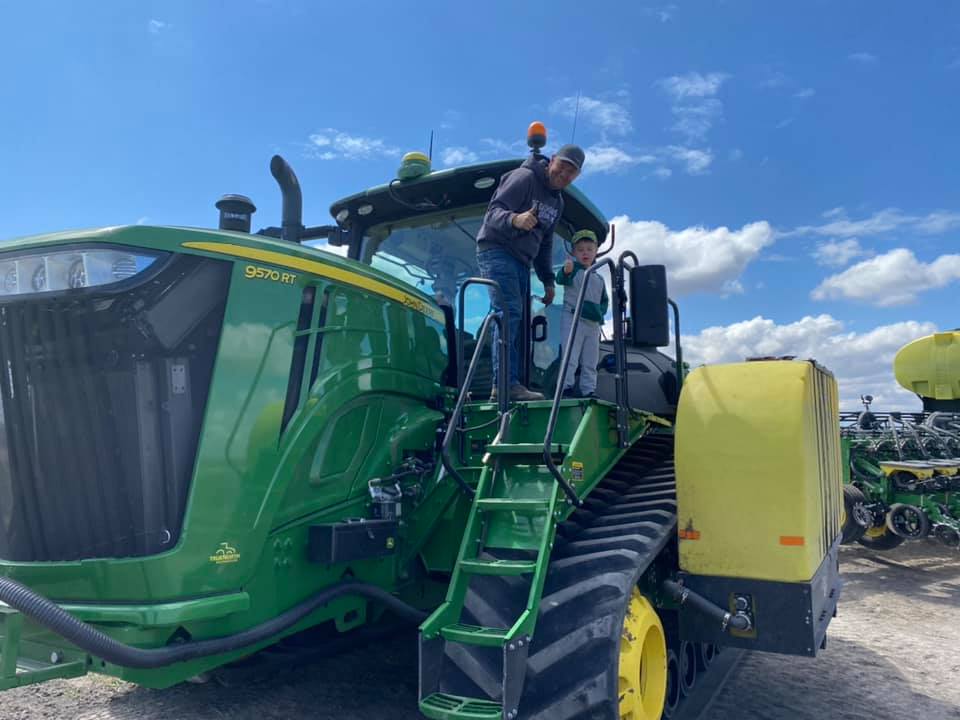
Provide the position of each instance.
(793, 540)
(689, 534)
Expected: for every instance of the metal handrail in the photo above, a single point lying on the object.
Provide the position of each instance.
(453, 424)
(620, 377)
(464, 382)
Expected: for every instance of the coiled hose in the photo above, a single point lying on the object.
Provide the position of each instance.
(88, 638)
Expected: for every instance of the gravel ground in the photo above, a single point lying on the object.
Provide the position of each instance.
(894, 653)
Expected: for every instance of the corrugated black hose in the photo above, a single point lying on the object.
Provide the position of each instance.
(87, 638)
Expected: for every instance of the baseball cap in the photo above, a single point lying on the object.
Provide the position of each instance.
(583, 235)
(572, 154)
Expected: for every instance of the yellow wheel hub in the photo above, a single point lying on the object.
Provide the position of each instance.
(643, 662)
(876, 532)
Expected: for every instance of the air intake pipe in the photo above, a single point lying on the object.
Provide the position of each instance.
(292, 223)
(235, 212)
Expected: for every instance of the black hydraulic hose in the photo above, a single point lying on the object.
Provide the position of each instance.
(88, 638)
(685, 596)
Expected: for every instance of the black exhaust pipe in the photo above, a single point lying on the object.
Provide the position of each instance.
(292, 223)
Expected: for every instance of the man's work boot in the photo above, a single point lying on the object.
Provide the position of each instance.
(519, 393)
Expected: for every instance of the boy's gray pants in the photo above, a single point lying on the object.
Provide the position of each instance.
(585, 353)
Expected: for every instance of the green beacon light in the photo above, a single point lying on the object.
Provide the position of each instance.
(413, 165)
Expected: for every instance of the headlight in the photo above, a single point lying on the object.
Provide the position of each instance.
(69, 270)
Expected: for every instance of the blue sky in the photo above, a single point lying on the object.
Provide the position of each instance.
(795, 167)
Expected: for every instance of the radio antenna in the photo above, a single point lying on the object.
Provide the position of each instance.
(576, 113)
(430, 154)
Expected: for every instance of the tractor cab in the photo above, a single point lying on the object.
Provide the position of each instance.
(421, 228)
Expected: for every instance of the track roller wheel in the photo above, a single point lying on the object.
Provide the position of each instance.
(688, 666)
(674, 694)
(908, 521)
(947, 535)
(643, 662)
(880, 538)
(856, 517)
(706, 654)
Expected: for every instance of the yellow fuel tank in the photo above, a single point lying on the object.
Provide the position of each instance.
(759, 481)
(930, 366)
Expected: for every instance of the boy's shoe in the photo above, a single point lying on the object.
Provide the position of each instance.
(569, 394)
(519, 393)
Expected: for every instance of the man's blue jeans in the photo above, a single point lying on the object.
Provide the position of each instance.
(514, 279)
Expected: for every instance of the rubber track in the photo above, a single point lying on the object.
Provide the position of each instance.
(598, 557)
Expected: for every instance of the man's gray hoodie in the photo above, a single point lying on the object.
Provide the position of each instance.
(518, 191)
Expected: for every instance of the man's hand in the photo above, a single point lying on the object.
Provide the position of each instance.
(525, 220)
(568, 267)
(548, 294)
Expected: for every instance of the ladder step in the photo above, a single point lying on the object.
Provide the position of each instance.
(475, 635)
(498, 567)
(441, 706)
(521, 449)
(524, 507)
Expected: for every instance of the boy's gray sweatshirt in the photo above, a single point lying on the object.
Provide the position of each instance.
(518, 191)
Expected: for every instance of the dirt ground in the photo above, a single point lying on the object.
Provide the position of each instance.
(893, 654)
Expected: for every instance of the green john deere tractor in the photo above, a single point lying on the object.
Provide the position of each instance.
(213, 440)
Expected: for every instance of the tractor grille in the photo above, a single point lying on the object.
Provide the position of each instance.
(827, 425)
(103, 395)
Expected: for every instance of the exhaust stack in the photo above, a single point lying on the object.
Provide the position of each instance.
(292, 224)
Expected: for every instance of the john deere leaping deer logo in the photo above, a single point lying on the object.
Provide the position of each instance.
(225, 554)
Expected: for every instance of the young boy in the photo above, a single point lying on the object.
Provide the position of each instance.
(586, 345)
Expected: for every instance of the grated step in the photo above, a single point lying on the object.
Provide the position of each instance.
(522, 449)
(524, 507)
(498, 567)
(475, 635)
(441, 706)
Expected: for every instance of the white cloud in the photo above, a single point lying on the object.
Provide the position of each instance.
(883, 221)
(155, 27)
(693, 85)
(837, 253)
(735, 154)
(697, 259)
(340, 250)
(663, 13)
(697, 161)
(695, 120)
(663, 172)
(894, 278)
(607, 116)
(611, 159)
(458, 156)
(143, 220)
(862, 362)
(805, 93)
(451, 118)
(864, 58)
(501, 148)
(331, 144)
(695, 108)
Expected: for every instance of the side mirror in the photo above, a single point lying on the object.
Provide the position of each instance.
(649, 324)
(538, 329)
